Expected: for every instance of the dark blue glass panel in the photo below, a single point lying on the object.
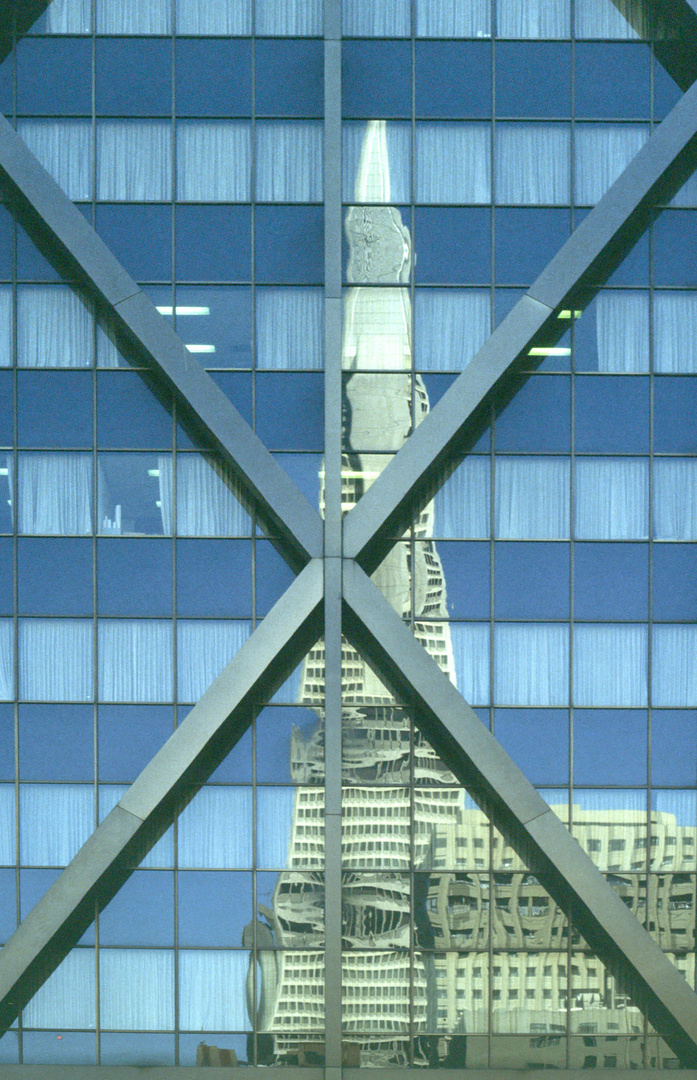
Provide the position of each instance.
(289, 78)
(674, 414)
(129, 737)
(7, 742)
(467, 582)
(31, 264)
(33, 884)
(54, 76)
(304, 471)
(289, 244)
(675, 248)
(522, 732)
(538, 416)
(214, 578)
(214, 907)
(213, 243)
(56, 742)
(531, 581)
(674, 747)
(611, 581)
(376, 79)
(453, 245)
(9, 1048)
(142, 912)
(6, 411)
(8, 909)
(453, 79)
(136, 1048)
(134, 577)
(6, 578)
(612, 414)
(275, 725)
(238, 388)
(634, 268)
(675, 581)
(140, 237)
(59, 1048)
(290, 410)
(666, 93)
(54, 576)
(7, 229)
(625, 67)
(610, 746)
(236, 767)
(134, 77)
(213, 78)
(223, 319)
(526, 240)
(272, 575)
(129, 414)
(533, 78)
(54, 408)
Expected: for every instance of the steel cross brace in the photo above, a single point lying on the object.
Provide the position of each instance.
(283, 638)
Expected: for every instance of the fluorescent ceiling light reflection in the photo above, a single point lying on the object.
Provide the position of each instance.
(565, 313)
(201, 348)
(184, 310)
(153, 472)
(4, 472)
(547, 351)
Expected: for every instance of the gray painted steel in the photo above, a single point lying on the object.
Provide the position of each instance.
(484, 767)
(585, 261)
(161, 791)
(149, 337)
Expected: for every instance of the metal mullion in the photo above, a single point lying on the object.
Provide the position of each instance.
(332, 538)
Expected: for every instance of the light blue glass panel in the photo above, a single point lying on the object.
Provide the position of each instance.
(213, 160)
(610, 666)
(601, 19)
(67, 998)
(451, 325)
(675, 331)
(377, 18)
(7, 824)
(532, 163)
(531, 664)
(69, 675)
(532, 498)
(289, 165)
(204, 648)
(5, 326)
(69, 17)
(54, 328)
(162, 854)
(675, 499)
(134, 160)
(533, 19)
(612, 498)
(470, 642)
(145, 17)
(55, 820)
(453, 163)
(674, 672)
(622, 328)
(276, 815)
(136, 989)
(206, 503)
(7, 660)
(601, 153)
(289, 328)
(221, 18)
(135, 660)
(288, 18)
(213, 990)
(215, 829)
(453, 19)
(55, 493)
(64, 148)
(462, 506)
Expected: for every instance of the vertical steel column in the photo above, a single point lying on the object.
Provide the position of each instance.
(332, 533)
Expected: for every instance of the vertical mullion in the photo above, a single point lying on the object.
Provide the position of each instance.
(332, 532)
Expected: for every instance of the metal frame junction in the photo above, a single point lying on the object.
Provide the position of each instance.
(332, 594)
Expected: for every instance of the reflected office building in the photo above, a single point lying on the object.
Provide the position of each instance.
(447, 937)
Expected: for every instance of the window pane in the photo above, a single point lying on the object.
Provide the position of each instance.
(288, 161)
(532, 163)
(610, 666)
(213, 161)
(134, 161)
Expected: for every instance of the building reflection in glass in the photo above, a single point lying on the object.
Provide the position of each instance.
(453, 952)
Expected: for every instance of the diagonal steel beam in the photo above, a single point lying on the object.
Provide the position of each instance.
(483, 766)
(572, 277)
(671, 27)
(161, 791)
(71, 242)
